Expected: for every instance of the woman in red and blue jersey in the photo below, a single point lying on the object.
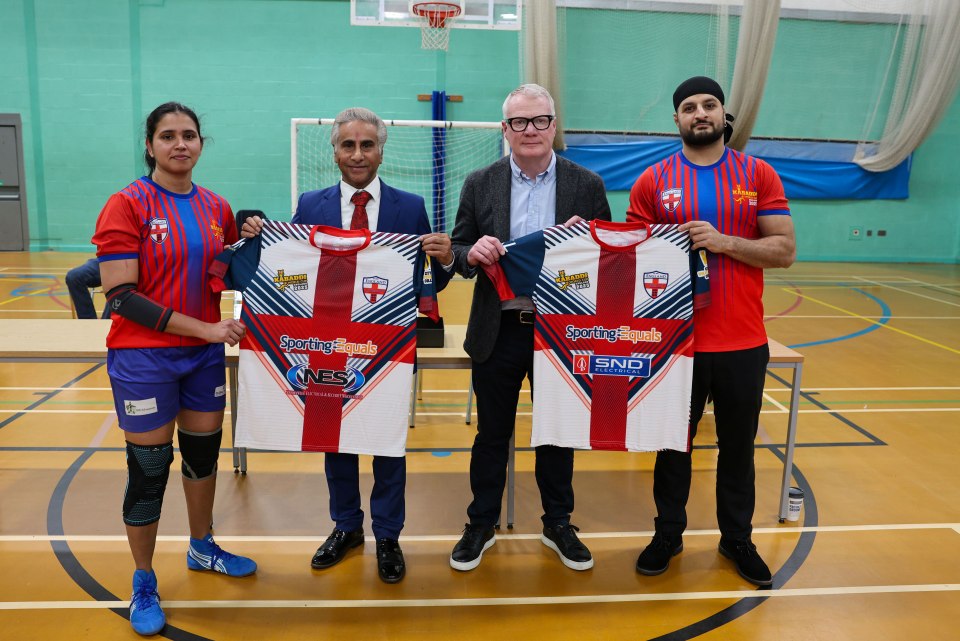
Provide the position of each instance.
(155, 239)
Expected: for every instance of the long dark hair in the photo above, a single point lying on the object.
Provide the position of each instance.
(155, 116)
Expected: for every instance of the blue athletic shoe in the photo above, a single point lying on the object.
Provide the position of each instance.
(205, 554)
(146, 617)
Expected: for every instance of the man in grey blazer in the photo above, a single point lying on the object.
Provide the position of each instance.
(528, 191)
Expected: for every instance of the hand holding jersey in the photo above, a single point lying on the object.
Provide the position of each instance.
(734, 206)
(165, 356)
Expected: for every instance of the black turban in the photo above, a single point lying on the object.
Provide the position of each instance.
(694, 86)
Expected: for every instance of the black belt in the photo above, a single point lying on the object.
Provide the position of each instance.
(522, 316)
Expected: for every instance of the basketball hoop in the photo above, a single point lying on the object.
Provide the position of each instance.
(433, 17)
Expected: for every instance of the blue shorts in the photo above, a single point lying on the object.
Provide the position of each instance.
(151, 385)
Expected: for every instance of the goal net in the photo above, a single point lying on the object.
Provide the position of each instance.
(427, 157)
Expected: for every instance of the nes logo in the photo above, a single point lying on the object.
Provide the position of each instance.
(374, 288)
(158, 229)
(300, 376)
(638, 366)
(670, 199)
(654, 283)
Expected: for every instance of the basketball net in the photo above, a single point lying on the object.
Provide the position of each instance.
(433, 18)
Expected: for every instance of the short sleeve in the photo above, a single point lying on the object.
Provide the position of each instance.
(642, 207)
(770, 197)
(118, 228)
(515, 274)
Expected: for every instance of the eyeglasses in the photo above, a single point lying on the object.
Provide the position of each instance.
(520, 124)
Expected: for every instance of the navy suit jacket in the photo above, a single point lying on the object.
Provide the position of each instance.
(400, 212)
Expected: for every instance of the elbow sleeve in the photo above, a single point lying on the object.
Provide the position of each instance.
(124, 300)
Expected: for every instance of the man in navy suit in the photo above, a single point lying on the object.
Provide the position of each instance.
(358, 138)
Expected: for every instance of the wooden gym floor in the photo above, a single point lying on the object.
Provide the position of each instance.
(876, 554)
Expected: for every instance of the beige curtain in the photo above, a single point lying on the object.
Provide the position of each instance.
(758, 32)
(926, 83)
(540, 54)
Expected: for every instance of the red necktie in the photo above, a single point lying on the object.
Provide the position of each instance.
(360, 200)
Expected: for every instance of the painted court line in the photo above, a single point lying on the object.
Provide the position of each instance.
(862, 389)
(786, 529)
(495, 601)
(846, 316)
(868, 320)
(74, 388)
(891, 410)
(907, 291)
(778, 405)
(950, 288)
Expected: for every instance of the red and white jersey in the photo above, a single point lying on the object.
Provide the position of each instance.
(327, 361)
(613, 338)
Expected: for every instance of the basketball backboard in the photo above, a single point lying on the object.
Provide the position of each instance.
(477, 14)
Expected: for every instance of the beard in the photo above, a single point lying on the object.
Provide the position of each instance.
(695, 138)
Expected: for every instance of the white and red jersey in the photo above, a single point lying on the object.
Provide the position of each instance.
(327, 361)
(613, 338)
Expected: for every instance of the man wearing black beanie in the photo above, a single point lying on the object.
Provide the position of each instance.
(735, 211)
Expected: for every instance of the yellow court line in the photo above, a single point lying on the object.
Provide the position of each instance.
(873, 322)
(33, 293)
(21, 280)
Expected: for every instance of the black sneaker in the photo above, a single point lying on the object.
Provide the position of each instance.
(467, 553)
(563, 540)
(749, 564)
(655, 558)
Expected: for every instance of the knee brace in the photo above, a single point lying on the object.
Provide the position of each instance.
(148, 467)
(198, 453)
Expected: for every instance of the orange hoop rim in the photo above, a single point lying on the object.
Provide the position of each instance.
(436, 13)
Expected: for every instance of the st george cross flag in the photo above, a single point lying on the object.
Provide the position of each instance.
(327, 361)
(613, 337)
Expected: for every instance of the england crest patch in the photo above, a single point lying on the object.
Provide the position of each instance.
(654, 283)
(670, 198)
(374, 288)
(158, 229)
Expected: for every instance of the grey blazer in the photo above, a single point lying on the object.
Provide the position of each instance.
(485, 211)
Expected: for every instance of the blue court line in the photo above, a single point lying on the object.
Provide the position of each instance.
(28, 291)
(71, 564)
(8, 275)
(884, 318)
(793, 563)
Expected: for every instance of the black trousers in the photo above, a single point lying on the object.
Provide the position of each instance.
(735, 381)
(497, 383)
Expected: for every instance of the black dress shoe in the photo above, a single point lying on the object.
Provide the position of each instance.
(336, 547)
(390, 563)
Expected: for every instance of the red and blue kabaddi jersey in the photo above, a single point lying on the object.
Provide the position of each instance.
(730, 194)
(174, 238)
(613, 338)
(327, 361)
